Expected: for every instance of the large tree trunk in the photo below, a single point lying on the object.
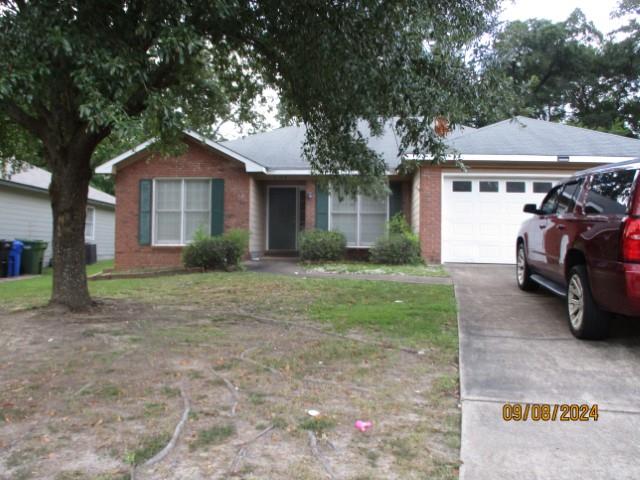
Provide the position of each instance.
(71, 172)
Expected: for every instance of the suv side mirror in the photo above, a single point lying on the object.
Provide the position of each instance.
(531, 208)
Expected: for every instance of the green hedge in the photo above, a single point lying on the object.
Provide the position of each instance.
(321, 245)
(401, 246)
(221, 252)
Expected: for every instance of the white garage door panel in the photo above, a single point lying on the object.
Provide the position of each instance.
(481, 227)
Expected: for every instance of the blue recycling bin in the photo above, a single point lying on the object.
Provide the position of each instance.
(15, 254)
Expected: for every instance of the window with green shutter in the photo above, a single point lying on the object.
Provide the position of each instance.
(322, 210)
(144, 212)
(217, 206)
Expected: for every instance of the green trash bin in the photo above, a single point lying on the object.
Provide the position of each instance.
(32, 257)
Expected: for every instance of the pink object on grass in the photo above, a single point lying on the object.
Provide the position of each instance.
(362, 425)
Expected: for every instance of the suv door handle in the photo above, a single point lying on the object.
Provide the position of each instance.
(542, 225)
(561, 226)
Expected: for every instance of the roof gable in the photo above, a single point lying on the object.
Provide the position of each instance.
(109, 167)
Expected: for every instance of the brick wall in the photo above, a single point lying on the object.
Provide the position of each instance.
(197, 161)
(431, 213)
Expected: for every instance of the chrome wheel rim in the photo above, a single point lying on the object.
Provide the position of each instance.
(521, 266)
(575, 302)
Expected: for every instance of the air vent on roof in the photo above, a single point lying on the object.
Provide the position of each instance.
(563, 158)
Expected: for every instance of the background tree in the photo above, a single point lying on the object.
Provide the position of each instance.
(568, 71)
(74, 73)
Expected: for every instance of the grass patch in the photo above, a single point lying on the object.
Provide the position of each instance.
(107, 391)
(153, 409)
(412, 312)
(376, 269)
(36, 291)
(418, 314)
(213, 436)
(318, 425)
(147, 448)
(170, 392)
(257, 398)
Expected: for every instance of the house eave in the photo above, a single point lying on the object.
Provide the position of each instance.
(556, 159)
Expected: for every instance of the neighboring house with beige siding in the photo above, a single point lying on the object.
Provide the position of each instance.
(25, 212)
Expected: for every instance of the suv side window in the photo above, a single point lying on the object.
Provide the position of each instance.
(610, 192)
(567, 198)
(550, 201)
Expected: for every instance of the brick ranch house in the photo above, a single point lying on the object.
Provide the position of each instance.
(261, 183)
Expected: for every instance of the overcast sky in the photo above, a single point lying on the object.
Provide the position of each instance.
(598, 11)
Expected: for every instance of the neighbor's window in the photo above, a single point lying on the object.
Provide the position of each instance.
(181, 206)
(610, 192)
(90, 224)
(361, 219)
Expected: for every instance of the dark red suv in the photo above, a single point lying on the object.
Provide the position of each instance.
(583, 243)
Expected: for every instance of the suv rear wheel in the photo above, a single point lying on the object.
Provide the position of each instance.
(586, 320)
(523, 272)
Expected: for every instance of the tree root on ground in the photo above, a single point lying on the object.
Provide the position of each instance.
(315, 450)
(277, 372)
(232, 389)
(322, 331)
(337, 384)
(158, 457)
(262, 365)
(244, 449)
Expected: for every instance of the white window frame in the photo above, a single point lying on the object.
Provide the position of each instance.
(358, 243)
(93, 224)
(183, 192)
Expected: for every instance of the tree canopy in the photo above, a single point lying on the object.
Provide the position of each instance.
(569, 71)
(78, 75)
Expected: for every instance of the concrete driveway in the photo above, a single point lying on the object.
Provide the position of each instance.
(516, 347)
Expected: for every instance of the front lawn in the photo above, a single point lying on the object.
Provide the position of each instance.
(375, 269)
(36, 290)
(88, 396)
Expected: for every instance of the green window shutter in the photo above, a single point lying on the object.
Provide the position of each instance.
(395, 199)
(322, 210)
(217, 206)
(144, 212)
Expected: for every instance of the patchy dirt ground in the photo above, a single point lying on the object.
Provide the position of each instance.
(91, 396)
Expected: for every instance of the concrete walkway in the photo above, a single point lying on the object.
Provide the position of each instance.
(288, 266)
(516, 347)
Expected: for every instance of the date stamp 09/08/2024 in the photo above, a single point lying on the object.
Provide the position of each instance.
(546, 412)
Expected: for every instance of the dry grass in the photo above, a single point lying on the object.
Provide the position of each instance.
(86, 396)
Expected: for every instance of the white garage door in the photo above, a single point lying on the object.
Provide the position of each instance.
(481, 215)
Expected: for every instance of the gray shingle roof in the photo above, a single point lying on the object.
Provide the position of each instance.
(40, 179)
(282, 148)
(527, 136)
